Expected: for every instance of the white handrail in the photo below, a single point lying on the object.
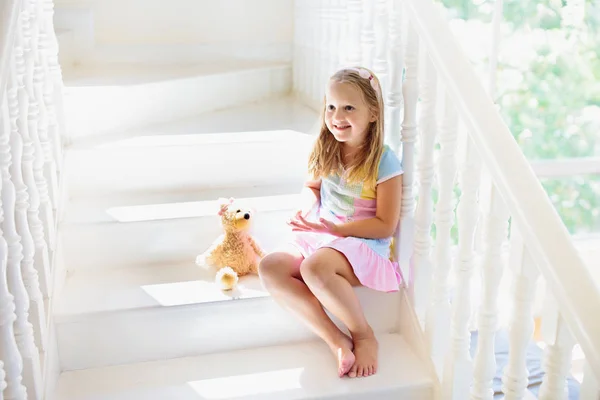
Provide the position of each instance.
(8, 22)
(541, 227)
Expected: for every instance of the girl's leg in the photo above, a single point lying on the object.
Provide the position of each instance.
(330, 277)
(280, 275)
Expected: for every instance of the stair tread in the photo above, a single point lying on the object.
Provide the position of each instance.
(148, 205)
(136, 74)
(295, 371)
(144, 287)
(274, 118)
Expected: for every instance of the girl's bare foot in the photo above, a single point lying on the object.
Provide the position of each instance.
(343, 354)
(365, 350)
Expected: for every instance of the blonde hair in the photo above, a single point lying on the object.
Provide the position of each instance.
(326, 156)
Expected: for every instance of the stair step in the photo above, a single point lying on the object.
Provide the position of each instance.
(188, 162)
(123, 96)
(295, 371)
(158, 312)
(128, 231)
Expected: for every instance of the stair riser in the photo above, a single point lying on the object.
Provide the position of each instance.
(168, 333)
(114, 245)
(93, 110)
(185, 167)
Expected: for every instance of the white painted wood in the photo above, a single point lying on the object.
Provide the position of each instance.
(425, 174)
(590, 389)
(458, 369)
(2, 380)
(334, 37)
(380, 62)
(525, 273)
(18, 281)
(566, 167)
(292, 372)
(355, 26)
(367, 36)
(43, 91)
(557, 353)
(53, 93)
(32, 267)
(28, 194)
(546, 236)
(410, 91)
(40, 203)
(495, 231)
(437, 323)
(9, 351)
(164, 93)
(395, 100)
(152, 300)
(342, 15)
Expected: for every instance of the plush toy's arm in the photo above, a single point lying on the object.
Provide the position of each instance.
(256, 248)
(210, 257)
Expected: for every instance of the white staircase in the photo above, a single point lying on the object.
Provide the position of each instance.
(110, 175)
(142, 204)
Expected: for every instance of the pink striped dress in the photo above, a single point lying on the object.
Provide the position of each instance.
(343, 202)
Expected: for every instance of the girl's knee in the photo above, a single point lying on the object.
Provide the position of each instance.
(316, 271)
(279, 264)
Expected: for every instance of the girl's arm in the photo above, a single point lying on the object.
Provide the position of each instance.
(310, 196)
(389, 196)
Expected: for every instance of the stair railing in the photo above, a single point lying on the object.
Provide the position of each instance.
(31, 126)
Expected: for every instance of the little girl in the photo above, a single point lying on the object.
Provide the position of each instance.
(343, 232)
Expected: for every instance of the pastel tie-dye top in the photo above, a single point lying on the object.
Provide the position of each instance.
(343, 202)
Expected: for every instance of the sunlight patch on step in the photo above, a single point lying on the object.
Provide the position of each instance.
(239, 386)
(196, 292)
(152, 212)
(285, 135)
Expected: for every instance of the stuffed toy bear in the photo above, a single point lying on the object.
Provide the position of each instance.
(235, 253)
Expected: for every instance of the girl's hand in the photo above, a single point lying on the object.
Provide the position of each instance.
(300, 224)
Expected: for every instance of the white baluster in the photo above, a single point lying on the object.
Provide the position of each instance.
(590, 388)
(343, 32)
(425, 170)
(458, 369)
(296, 45)
(323, 40)
(355, 10)
(33, 87)
(2, 380)
(395, 101)
(557, 354)
(9, 351)
(56, 111)
(334, 41)
(302, 60)
(525, 274)
(410, 89)
(367, 36)
(23, 122)
(30, 270)
(381, 44)
(23, 328)
(315, 65)
(45, 92)
(437, 323)
(495, 231)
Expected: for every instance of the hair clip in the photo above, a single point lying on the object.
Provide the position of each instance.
(366, 75)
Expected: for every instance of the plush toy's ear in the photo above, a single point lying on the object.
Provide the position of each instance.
(224, 204)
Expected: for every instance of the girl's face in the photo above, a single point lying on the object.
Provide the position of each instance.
(347, 115)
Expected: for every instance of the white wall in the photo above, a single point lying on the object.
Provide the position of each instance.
(111, 30)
